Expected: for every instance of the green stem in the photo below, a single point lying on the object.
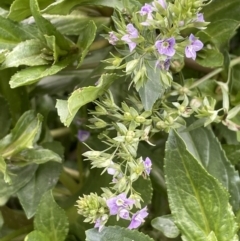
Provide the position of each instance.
(80, 164)
(68, 182)
(17, 233)
(60, 132)
(213, 73)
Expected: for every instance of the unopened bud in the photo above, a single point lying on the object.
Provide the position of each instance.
(127, 116)
(140, 119)
(131, 66)
(130, 135)
(100, 124)
(160, 125)
(195, 103)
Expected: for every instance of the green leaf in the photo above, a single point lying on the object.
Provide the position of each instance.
(68, 109)
(20, 177)
(219, 32)
(65, 6)
(144, 187)
(222, 9)
(1, 220)
(5, 119)
(85, 40)
(20, 9)
(198, 202)
(51, 219)
(33, 74)
(47, 28)
(24, 134)
(38, 156)
(204, 146)
(3, 169)
(36, 236)
(12, 33)
(153, 88)
(166, 225)
(232, 153)
(26, 53)
(44, 179)
(210, 58)
(115, 233)
(75, 24)
(17, 99)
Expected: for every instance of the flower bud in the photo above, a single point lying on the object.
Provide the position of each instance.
(140, 119)
(160, 125)
(100, 124)
(127, 116)
(91, 206)
(121, 185)
(129, 136)
(131, 66)
(91, 154)
(195, 103)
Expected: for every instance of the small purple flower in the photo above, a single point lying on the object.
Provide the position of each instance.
(132, 34)
(195, 45)
(115, 204)
(163, 65)
(200, 17)
(148, 165)
(83, 135)
(112, 38)
(124, 214)
(146, 9)
(166, 46)
(138, 218)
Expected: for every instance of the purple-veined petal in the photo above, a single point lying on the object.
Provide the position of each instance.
(190, 53)
(124, 214)
(132, 46)
(197, 45)
(138, 218)
(132, 31)
(146, 9)
(147, 165)
(200, 17)
(112, 38)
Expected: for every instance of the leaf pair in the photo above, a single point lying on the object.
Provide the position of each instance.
(198, 201)
(50, 222)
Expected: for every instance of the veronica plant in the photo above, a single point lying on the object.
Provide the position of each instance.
(149, 96)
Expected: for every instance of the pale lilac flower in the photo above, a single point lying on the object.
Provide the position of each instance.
(112, 38)
(100, 222)
(195, 45)
(83, 135)
(166, 47)
(147, 165)
(115, 204)
(132, 34)
(200, 17)
(124, 214)
(146, 9)
(163, 65)
(138, 218)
